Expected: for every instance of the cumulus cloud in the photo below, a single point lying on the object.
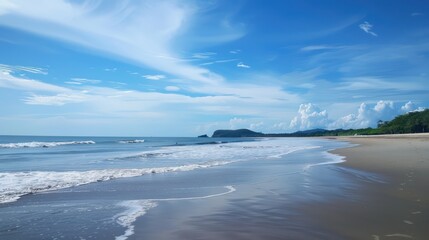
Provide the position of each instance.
(368, 116)
(238, 123)
(367, 27)
(256, 126)
(154, 77)
(242, 65)
(309, 117)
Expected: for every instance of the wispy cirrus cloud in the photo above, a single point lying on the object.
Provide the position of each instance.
(7, 80)
(85, 80)
(236, 51)
(12, 68)
(142, 33)
(241, 99)
(218, 61)
(374, 82)
(154, 77)
(319, 47)
(203, 55)
(367, 27)
(134, 30)
(54, 100)
(242, 65)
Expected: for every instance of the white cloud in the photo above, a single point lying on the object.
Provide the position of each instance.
(239, 123)
(367, 27)
(281, 126)
(256, 126)
(408, 107)
(56, 100)
(411, 107)
(142, 33)
(375, 82)
(86, 80)
(242, 65)
(309, 117)
(204, 55)
(236, 123)
(73, 83)
(172, 88)
(368, 116)
(154, 77)
(7, 80)
(138, 31)
(318, 47)
(10, 68)
(236, 51)
(240, 99)
(415, 14)
(217, 61)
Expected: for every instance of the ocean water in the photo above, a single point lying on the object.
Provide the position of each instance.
(107, 187)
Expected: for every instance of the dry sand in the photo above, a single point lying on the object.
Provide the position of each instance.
(395, 209)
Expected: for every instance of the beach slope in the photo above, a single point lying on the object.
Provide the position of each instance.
(397, 207)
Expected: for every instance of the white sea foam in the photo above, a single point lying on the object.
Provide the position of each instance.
(42, 144)
(332, 159)
(16, 184)
(138, 208)
(132, 141)
(237, 151)
(135, 209)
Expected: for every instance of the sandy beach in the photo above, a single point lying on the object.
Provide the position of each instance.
(397, 207)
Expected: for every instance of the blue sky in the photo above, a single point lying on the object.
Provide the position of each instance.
(184, 68)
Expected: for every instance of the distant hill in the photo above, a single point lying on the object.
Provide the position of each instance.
(236, 133)
(413, 122)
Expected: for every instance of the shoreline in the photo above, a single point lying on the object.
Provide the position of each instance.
(397, 207)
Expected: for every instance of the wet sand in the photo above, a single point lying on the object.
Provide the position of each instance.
(397, 207)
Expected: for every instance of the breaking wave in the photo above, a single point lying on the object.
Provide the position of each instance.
(16, 184)
(42, 144)
(132, 141)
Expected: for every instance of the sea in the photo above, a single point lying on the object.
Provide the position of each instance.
(167, 187)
